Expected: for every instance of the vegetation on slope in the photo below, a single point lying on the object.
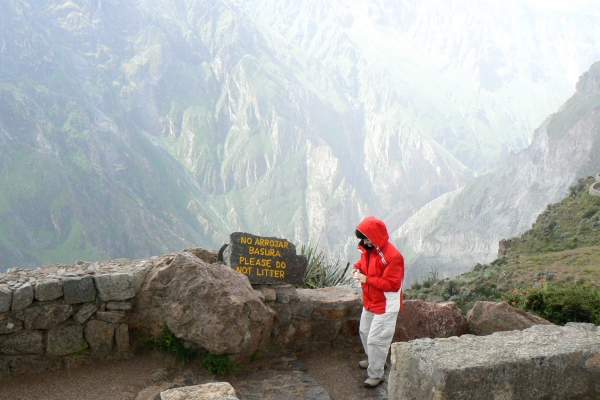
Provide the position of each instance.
(552, 270)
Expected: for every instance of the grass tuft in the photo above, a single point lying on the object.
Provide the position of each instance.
(220, 365)
(170, 343)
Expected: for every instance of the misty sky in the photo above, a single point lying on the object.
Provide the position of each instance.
(563, 5)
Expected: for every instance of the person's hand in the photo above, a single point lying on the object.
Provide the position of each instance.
(360, 277)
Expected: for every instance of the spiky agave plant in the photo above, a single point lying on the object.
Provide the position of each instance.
(321, 271)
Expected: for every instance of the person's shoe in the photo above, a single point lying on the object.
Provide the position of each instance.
(364, 364)
(373, 382)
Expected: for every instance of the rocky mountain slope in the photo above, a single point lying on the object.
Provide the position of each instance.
(463, 228)
(134, 128)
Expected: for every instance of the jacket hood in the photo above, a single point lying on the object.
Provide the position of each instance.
(375, 230)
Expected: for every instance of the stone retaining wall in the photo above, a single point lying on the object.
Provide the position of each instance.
(595, 189)
(64, 315)
(542, 362)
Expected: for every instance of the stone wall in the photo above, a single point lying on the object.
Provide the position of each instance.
(595, 187)
(542, 362)
(64, 315)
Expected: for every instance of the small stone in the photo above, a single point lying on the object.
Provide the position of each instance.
(79, 289)
(268, 292)
(93, 267)
(122, 337)
(100, 336)
(115, 286)
(22, 297)
(113, 317)
(65, 339)
(50, 289)
(159, 375)
(214, 390)
(46, 316)
(285, 293)
(5, 298)
(86, 311)
(25, 342)
(118, 305)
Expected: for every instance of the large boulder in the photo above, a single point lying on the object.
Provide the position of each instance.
(421, 319)
(487, 317)
(542, 362)
(209, 305)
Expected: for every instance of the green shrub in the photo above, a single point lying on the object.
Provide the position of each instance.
(170, 343)
(219, 364)
(321, 272)
(560, 303)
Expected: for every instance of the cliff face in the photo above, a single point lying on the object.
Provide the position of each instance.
(136, 128)
(463, 228)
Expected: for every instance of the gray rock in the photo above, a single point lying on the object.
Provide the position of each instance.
(116, 286)
(285, 293)
(22, 297)
(114, 317)
(5, 298)
(79, 289)
(268, 292)
(65, 339)
(86, 311)
(209, 305)
(100, 335)
(9, 324)
(25, 342)
(208, 391)
(122, 337)
(4, 369)
(46, 316)
(118, 305)
(542, 362)
(50, 289)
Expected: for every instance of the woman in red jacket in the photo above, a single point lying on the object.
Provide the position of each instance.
(380, 271)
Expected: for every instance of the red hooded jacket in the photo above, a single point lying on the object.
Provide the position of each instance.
(384, 267)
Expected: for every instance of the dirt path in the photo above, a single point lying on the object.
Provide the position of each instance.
(332, 374)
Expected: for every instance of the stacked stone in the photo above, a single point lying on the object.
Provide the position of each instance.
(310, 319)
(52, 316)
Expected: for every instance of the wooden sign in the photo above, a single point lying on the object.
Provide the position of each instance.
(265, 259)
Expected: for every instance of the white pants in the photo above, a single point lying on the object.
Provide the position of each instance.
(376, 333)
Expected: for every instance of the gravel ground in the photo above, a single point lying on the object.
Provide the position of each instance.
(338, 372)
(116, 380)
(144, 376)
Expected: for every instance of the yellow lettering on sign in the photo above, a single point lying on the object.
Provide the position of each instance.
(265, 242)
(244, 270)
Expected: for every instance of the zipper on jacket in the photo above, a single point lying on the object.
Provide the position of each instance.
(368, 265)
